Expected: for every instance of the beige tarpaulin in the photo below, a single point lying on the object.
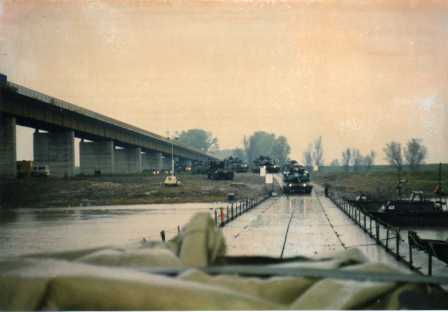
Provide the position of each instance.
(118, 278)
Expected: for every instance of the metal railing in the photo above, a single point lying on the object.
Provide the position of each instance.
(224, 215)
(385, 235)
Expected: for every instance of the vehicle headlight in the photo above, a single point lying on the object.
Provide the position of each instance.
(289, 184)
(304, 184)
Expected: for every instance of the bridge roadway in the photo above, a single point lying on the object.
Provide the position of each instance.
(299, 225)
(310, 226)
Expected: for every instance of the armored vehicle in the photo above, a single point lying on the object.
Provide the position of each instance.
(218, 170)
(171, 180)
(296, 179)
(266, 161)
(237, 164)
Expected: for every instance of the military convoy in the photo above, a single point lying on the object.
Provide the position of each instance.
(296, 179)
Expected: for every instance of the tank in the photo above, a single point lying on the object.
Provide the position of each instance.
(218, 170)
(266, 161)
(237, 165)
(296, 180)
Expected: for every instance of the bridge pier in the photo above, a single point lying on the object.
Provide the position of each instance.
(56, 150)
(96, 156)
(128, 160)
(8, 146)
(166, 162)
(152, 160)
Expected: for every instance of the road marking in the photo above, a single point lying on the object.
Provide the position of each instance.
(286, 234)
(331, 224)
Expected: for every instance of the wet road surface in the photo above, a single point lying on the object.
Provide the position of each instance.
(310, 226)
(296, 225)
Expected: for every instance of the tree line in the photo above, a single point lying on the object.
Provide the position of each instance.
(413, 155)
(262, 143)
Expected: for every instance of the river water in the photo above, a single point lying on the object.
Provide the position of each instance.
(27, 231)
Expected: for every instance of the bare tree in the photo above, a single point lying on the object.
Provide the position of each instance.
(308, 157)
(415, 153)
(357, 159)
(318, 152)
(347, 158)
(369, 160)
(392, 152)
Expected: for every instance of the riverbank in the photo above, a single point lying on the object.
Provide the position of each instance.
(123, 190)
(381, 185)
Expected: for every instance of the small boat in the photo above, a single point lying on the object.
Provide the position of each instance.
(416, 211)
(366, 204)
(438, 248)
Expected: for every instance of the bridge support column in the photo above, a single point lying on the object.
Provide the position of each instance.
(8, 146)
(166, 162)
(128, 160)
(96, 156)
(152, 160)
(55, 150)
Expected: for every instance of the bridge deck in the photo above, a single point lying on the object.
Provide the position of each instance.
(310, 226)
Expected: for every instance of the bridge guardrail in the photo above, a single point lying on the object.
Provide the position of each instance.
(224, 215)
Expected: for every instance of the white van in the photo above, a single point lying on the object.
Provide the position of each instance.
(40, 171)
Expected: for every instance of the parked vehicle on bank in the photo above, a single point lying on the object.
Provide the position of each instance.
(24, 168)
(218, 170)
(171, 180)
(237, 164)
(199, 168)
(266, 161)
(40, 171)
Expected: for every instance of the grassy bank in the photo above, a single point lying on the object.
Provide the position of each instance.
(381, 185)
(122, 190)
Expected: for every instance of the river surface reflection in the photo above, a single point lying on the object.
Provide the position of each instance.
(26, 231)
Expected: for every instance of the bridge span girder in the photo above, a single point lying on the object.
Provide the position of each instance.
(36, 110)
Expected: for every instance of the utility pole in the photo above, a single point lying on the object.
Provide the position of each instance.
(172, 158)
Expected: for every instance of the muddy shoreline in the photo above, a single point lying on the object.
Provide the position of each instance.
(122, 190)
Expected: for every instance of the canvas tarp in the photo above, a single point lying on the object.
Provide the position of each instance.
(124, 278)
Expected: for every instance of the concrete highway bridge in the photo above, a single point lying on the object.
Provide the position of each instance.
(107, 145)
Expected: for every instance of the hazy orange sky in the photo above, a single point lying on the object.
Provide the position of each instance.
(359, 73)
